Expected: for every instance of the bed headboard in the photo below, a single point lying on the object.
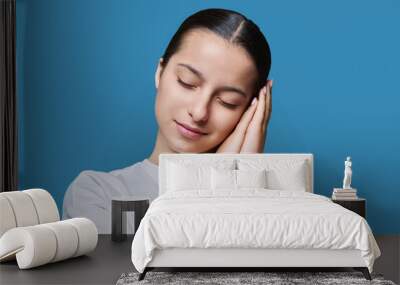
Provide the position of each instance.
(192, 157)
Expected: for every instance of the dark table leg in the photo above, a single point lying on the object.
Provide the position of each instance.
(116, 221)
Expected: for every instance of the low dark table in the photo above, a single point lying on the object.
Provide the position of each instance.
(357, 206)
(122, 204)
(104, 265)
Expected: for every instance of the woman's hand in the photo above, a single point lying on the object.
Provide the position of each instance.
(256, 132)
(249, 134)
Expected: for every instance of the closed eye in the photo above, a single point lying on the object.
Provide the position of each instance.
(222, 102)
(227, 105)
(186, 85)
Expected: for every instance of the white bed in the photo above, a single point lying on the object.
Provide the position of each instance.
(251, 226)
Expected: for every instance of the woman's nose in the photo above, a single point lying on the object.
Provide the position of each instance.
(199, 109)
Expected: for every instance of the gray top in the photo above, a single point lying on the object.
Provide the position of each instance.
(90, 194)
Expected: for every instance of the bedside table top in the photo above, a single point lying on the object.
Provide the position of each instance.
(349, 200)
(130, 198)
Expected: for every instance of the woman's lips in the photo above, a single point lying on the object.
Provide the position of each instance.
(188, 133)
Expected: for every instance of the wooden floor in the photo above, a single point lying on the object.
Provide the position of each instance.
(389, 262)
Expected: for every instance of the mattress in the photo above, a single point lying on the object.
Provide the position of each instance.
(250, 219)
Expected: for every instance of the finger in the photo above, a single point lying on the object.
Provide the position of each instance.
(247, 117)
(259, 114)
(253, 141)
(268, 89)
(268, 105)
(269, 92)
(234, 141)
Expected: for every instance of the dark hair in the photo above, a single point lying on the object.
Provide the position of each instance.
(235, 28)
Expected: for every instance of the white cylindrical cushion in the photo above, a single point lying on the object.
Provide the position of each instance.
(40, 244)
(33, 246)
(45, 205)
(7, 218)
(87, 233)
(67, 239)
(23, 208)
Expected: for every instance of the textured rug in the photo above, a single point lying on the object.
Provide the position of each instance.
(230, 278)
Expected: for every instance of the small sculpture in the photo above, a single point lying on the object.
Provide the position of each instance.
(347, 173)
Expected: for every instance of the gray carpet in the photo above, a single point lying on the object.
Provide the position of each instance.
(228, 278)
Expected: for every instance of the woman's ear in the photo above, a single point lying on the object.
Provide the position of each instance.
(158, 72)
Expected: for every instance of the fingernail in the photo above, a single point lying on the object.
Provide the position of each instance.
(254, 101)
(263, 90)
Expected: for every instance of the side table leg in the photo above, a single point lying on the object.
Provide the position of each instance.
(116, 221)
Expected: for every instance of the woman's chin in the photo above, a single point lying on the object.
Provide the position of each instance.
(185, 147)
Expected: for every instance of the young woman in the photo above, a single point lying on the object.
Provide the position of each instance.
(212, 96)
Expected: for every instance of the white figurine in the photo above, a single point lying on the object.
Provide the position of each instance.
(347, 174)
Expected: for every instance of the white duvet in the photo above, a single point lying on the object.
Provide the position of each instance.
(251, 218)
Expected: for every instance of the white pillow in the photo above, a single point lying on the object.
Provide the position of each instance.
(182, 178)
(223, 179)
(237, 179)
(251, 178)
(291, 179)
(186, 175)
(282, 174)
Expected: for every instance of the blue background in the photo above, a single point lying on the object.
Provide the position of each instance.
(86, 88)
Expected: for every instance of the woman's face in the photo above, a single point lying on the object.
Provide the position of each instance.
(202, 92)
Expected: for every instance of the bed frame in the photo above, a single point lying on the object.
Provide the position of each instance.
(248, 259)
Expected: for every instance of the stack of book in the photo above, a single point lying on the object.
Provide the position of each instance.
(344, 194)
